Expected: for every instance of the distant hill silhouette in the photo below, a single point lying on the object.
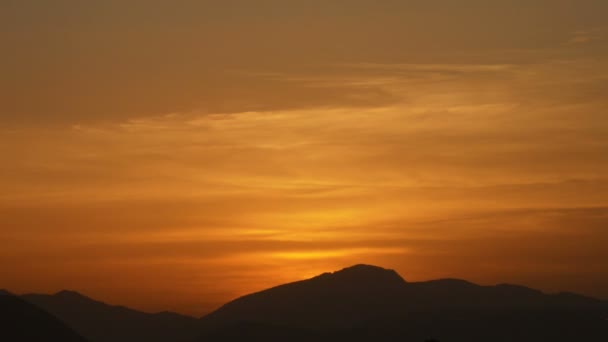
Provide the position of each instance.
(330, 300)
(369, 303)
(358, 303)
(23, 322)
(100, 322)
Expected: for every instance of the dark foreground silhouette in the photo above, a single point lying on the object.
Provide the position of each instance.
(359, 303)
(101, 322)
(22, 321)
(368, 303)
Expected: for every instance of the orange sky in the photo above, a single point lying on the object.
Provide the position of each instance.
(175, 155)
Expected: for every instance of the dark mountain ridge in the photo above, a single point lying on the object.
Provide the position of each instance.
(358, 303)
(101, 322)
(23, 322)
(329, 300)
(371, 301)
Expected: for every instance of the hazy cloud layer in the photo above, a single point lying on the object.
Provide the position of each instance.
(71, 62)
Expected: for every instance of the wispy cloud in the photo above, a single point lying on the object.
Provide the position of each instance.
(587, 36)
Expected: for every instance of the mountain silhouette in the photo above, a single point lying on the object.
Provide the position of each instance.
(358, 303)
(330, 300)
(23, 322)
(100, 322)
(369, 303)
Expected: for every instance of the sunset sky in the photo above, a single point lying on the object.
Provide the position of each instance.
(173, 155)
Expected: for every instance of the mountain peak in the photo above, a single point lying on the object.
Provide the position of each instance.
(69, 294)
(365, 273)
(363, 268)
(353, 294)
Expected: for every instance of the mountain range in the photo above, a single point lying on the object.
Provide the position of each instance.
(101, 322)
(358, 303)
(22, 321)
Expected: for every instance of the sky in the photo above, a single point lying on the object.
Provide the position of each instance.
(174, 155)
